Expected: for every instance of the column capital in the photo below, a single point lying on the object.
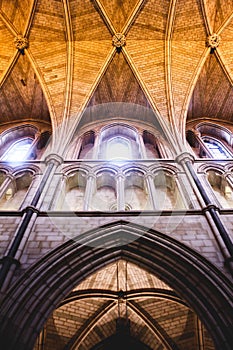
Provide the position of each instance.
(149, 175)
(91, 175)
(184, 157)
(228, 174)
(120, 175)
(54, 158)
(10, 177)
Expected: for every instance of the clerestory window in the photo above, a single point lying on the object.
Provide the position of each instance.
(118, 148)
(216, 149)
(19, 151)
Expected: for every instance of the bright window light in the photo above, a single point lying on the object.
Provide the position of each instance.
(18, 151)
(118, 148)
(216, 149)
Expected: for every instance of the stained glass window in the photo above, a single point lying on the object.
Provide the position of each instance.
(216, 149)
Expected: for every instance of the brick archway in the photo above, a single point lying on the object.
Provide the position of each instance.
(43, 286)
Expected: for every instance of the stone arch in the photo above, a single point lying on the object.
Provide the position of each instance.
(45, 284)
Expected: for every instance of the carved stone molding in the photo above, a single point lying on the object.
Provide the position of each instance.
(213, 41)
(21, 42)
(118, 40)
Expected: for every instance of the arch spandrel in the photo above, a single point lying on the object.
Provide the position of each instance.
(202, 286)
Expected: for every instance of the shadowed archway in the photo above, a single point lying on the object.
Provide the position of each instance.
(44, 285)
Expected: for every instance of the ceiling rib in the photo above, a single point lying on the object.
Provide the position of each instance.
(8, 70)
(73, 127)
(8, 24)
(30, 18)
(168, 73)
(69, 70)
(80, 335)
(208, 28)
(130, 295)
(104, 16)
(224, 66)
(133, 16)
(158, 331)
(164, 125)
(225, 24)
(14, 32)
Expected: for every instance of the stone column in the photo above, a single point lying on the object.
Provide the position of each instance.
(151, 189)
(142, 146)
(120, 186)
(91, 178)
(9, 178)
(96, 146)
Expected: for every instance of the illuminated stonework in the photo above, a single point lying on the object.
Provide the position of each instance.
(21, 42)
(118, 40)
(213, 41)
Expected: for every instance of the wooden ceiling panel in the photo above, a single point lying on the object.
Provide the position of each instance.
(17, 12)
(21, 95)
(119, 11)
(218, 11)
(87, 24)
(213, 93)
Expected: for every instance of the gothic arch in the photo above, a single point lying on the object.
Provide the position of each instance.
(31, 300)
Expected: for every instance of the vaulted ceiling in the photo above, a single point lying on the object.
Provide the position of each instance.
(159, 318)
(70, 62)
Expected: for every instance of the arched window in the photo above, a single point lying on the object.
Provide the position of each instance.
(118, 148)
(150, 145)
(210, 140)
(19, 151)
(168, 196)
(16, 192)
(118, 142)
(86, 150)
(72, 195)
(221, 188)
(136, 194)
(216, 149)
(104, 195)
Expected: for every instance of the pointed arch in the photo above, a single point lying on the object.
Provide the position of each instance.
(47, 282)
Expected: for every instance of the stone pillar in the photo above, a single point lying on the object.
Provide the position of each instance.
(151, 189)
(96, 146)
(91, 178)
(210, 210)
(78, 147)
(9, 178)
(142, 146)
(120, 186)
